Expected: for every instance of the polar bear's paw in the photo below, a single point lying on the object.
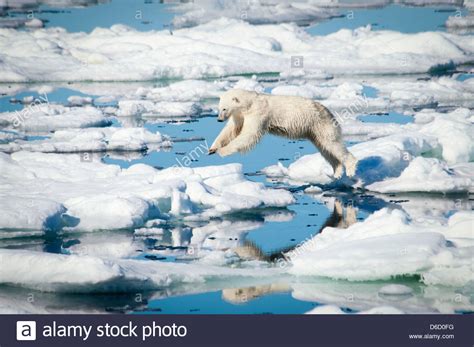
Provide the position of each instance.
(224, 151)
(351, 165)
(338, 171)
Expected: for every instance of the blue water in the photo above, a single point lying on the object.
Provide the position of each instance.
(390, 117)
(153, 15)
(465, 76)
(212, 303)
(208, 128)
(393, 17)
(58, 95)
(141, 15)
(310, 214)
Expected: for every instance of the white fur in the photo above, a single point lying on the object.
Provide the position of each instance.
(251, 115)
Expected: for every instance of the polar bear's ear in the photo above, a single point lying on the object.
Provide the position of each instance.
(235, 99)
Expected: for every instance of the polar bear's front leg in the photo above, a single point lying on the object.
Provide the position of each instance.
(252, 131)
(225, 136)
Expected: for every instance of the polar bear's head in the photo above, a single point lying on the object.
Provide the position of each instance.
(234, 102)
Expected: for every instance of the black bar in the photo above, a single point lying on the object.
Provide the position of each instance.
(252, 330)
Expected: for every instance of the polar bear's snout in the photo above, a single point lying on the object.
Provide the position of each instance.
(223, 115)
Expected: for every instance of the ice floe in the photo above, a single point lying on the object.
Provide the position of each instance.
(88, 274)
(347, 97)
(277, 11)
(92, 140)
(100, 196)
(427, 175)
(364, 296)
(144, 108)
(254, 12)
(387, 244)
(122, 54)
(461, 24)
(46, 117)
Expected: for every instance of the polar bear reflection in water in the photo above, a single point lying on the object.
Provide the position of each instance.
(341, 217)
(251, 115)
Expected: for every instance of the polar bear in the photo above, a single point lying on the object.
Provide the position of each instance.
(251, 115)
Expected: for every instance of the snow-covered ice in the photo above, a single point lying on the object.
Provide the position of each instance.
(427, 175)
(101, 196)
(254, 12)
(88, 274)
(92, 140)
(121, 53)
(346, 97)
(46, 117)
(387, 244)
(128, 108)
(278, 11)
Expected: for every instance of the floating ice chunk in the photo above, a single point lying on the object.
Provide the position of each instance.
(34, 23)
(433, 209)
(366, 130)
(307, 91)
(255, 12)
(313, 190)
(50, 117)
(385, 245)
(76, 100)
(443, 90)
(452, 268)
(93, 140)
(301, 12)
(277, 170)
(185, 91)
(379, 248)
(250, 84)
(395, 289)
(146, 108)
(425, 175)
(457, 22)
(347, 98)
(455, 125)
(363, 296)
(108, 211)
(460, 225)
(88, 274)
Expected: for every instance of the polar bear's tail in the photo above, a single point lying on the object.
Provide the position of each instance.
(350, 163)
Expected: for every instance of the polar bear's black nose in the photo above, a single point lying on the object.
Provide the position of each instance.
(220, 120)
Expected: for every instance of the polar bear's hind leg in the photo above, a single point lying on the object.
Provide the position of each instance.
(331, 156)
(350, 164)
